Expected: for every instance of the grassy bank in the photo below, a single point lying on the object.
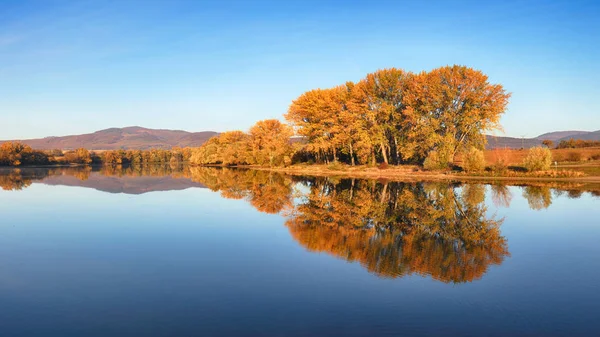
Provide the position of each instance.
(564, 173)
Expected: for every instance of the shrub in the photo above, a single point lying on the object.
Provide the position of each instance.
(335, 166)
(435, 162)
(595, 156)
(383, 166)
(474, 160)
(500, 161)
(538, 159)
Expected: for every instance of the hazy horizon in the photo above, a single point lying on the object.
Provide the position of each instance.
(73, 68)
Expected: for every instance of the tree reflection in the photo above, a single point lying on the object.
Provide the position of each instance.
(268, 192)
(538, 197)
(397, 229)
(501, 195)
(392, 229)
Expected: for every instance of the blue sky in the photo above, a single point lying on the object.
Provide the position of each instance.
(70, 67)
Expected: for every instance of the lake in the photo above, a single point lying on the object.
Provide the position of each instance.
(224, 252)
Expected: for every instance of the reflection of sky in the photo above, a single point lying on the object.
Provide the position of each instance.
(80, 261)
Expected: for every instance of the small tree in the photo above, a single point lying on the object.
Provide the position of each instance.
(548, 143)
(434, 161)
(538, 159)
(474, 160)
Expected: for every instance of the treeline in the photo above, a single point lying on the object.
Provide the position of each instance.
(19, 154)
(390, 116)
(144, 157)
(577, 143)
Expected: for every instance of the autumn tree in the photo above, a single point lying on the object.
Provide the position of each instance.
(538, 159)
(79, 156)
(17, 153)
(548, 143)
(315, 116)
(378, 100)
(270, 142)
(450, 108)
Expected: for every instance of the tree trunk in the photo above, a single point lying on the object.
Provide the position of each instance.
(384, 153)
(384, 192)
(397, 151)
(351, 154)
(373, 160)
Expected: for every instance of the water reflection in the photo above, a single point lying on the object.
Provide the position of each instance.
(398, 229)
(393, 229)
(129, 180)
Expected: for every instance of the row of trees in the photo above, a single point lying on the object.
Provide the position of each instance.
(19, 154)
(576, 144)
(15, 154)
(391, 116)
(267, 144)
(394, 116)
(144, 157)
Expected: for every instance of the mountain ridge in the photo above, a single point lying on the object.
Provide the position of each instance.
(494, 142)
(126, 138)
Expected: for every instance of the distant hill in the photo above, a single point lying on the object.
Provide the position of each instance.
(589, 136)
(134, 137)
(516, 143)
(554, 136)
(512, 143)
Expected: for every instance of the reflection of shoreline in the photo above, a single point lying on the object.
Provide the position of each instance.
(126, 185)
(407, 174)
(111, 180)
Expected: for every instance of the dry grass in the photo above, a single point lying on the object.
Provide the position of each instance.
(515, 157)
(416, 173)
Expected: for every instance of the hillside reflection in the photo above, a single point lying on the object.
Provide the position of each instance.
(393, 229)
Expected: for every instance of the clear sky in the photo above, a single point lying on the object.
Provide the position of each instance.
(71, 67)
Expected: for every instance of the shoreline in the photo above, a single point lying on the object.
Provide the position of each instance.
(393, 173)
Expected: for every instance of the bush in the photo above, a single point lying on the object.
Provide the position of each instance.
(335, 166)
(474, 160)
(499, 161)
(574, 156)
(435, 162)
(538, 159)
(383, 166)
(595, 156)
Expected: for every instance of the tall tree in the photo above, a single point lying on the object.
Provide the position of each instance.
(378, 99)
(270, 142)
(451, 107)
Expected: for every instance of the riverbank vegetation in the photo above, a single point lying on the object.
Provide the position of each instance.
(391, 116)
(18, 154)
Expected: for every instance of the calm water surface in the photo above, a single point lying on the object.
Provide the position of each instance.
(218, 252)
